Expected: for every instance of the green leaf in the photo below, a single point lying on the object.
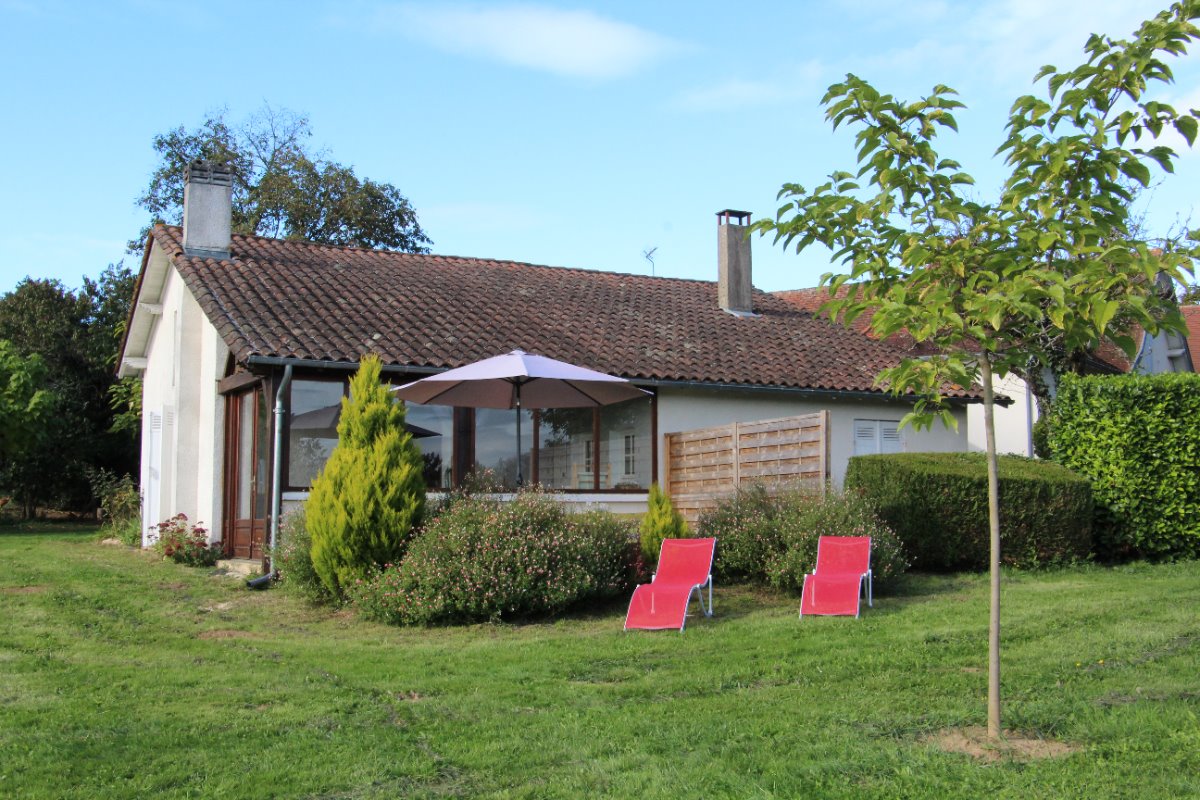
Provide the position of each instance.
(1187, 129)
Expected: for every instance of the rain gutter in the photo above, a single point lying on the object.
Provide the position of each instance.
(276, 480)
(832, 394)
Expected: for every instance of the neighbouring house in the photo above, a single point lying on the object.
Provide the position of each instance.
(1191, 315)
(1167, 351)
(245, 345)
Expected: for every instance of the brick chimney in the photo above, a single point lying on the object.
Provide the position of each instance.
(207, 209)
(734, 285)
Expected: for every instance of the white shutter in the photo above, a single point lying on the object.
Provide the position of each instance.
(872, 436)
(865, 437)
(889, 437)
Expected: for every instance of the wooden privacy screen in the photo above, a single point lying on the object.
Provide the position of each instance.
(708, 464)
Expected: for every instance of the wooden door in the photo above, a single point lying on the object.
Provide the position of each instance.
(247, 481)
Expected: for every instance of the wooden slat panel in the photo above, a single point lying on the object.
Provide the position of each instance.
(710, 463)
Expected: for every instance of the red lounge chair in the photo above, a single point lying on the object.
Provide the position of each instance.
(843, 571)
(684, 566)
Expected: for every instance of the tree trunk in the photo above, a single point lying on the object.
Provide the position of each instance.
(989, 424)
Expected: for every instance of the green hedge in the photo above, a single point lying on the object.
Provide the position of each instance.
(1138, 439)
(938, 505)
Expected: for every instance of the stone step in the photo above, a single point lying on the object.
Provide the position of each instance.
(240, 566)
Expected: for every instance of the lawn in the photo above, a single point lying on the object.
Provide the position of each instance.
(123, 676)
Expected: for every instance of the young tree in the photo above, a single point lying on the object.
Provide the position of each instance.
(371, 494)
(281, 187)
(986, 283)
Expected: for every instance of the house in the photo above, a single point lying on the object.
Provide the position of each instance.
(245, 345)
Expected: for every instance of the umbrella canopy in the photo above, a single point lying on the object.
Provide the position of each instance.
(520, 380)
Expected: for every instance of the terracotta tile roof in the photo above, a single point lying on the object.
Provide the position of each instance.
(1108, 357)
(812, 299)
(291, 299)
(1191, 315)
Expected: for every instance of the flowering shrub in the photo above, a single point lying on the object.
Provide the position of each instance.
(185, 543)
(806, 517)
(481, 559)
(747, 533)
(773, 538)
(293, 561)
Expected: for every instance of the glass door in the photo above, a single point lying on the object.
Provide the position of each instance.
(247, 481)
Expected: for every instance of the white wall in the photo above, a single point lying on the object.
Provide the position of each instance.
(1014, 424)
(684, 410)
(184, 360)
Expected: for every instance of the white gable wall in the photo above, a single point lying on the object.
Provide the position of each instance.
(1014, 424)
(181, 464)
(688, 409)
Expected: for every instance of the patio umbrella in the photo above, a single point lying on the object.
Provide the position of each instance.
(519, 379)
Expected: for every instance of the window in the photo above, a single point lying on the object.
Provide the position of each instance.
(872, 436)
(623, 465)
(571, 456)
(432, 429)
(496, 444)
(316, 407)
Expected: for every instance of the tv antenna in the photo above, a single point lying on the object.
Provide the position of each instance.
(649, 256)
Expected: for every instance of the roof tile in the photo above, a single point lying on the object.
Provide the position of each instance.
(293, 299)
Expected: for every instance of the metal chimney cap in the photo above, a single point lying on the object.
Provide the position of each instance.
(743, 217)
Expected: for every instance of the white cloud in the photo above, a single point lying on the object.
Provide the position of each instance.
(571, 43)
(736, 93)
(1004, 41)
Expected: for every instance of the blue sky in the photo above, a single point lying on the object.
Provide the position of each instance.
(575, 134)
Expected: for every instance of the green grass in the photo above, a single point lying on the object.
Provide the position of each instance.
(124, 676)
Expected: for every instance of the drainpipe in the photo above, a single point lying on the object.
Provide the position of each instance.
(276, 479)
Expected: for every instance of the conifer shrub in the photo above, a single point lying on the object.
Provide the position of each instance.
(1137, 437)
(938, 505)
(483, 559)
(661, 521)
(370, 496)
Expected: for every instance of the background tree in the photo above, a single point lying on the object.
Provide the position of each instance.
(281, 187)
(985, 282)
(75, 335)
(370, 496)
(24, 403)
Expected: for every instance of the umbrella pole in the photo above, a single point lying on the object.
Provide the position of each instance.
(520, 478)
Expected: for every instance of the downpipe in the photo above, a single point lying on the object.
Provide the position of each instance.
(264, 581)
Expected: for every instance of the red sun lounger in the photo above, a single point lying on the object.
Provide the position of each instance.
(842, 573)
(684, 567)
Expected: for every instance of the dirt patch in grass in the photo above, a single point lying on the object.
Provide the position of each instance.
(226, 634)
(23, 589)
(1012, 746)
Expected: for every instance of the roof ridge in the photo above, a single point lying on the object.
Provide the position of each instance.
(177, 232)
